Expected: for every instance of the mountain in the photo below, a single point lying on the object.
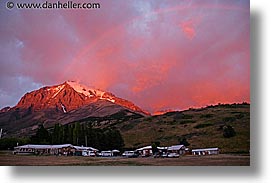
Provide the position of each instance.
(69, 96)
(5, 109)
(64, 103)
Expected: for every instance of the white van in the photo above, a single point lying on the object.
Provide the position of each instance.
(130, 154)
(88, 153)
(106, 153)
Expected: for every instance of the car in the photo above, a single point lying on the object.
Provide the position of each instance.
(164, 155)
(88, 153)
(173, 155)
(130, 154)
(92, 154)
(106, 154)
(99, 154)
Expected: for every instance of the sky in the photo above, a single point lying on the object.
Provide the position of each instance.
(161, 55)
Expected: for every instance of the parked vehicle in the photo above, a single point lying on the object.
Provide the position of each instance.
(173, 155)
(106, 153)
(164, 155)
(160, 155)
(88, 153)
(99, 154)
(130, 154)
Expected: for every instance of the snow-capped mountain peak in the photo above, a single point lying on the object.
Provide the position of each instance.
(91, 92)
(69, 96)
(87, 91)
(66, 103)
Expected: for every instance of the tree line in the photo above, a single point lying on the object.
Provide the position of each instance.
(76, 134)
(10, 143)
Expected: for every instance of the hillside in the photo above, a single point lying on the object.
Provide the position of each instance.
(201, 127)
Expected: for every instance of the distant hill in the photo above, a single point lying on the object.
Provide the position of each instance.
(200, 127)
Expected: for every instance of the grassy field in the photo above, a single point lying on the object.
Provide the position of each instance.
(7, 158)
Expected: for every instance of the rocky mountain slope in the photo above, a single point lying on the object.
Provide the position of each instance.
(64, 103)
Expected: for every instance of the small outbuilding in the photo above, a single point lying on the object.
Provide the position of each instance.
(206, 151)
(162, 150)
(145, 151)
(115, 152)
(179, 149)
(85, 151)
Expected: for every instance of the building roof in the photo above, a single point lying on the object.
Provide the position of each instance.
(115, 150)
(34, 146)
(162, 148)
(106, 151)
(206, 149)
(176, 147)
(85, 148)
(144, 148)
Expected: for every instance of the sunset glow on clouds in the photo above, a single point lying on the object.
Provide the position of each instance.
(158, 54)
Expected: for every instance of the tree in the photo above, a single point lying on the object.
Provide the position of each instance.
(70, 134)
(115, 140)
(56, 135)
(42, 136)
(65, 134)
(10, 143)
(79, 134)
(228, 131)
(155, 147)
(76, 133)
(183, 141)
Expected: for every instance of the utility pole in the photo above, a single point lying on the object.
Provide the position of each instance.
(1, 133)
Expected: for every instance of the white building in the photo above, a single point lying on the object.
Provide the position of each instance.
(179, 149)
(145, 151)
(206, 151)
(85, 151)
(62, 149)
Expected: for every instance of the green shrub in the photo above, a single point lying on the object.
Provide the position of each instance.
(229, 119)
(187, 121)
(240, 116)
(206, 116)
(203, 125)
(187, 116)
(183, 141)
(228, 131)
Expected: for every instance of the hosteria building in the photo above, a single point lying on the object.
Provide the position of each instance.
(62, 149)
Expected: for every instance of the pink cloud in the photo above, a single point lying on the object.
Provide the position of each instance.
(189, 27)
(137, 51)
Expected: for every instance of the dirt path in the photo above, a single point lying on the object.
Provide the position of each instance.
(6, 158)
